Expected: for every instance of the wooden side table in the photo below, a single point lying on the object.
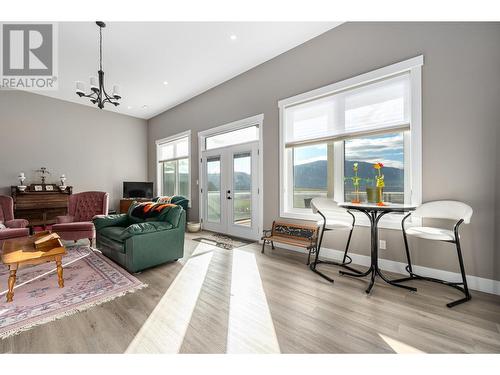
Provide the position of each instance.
(40, 248)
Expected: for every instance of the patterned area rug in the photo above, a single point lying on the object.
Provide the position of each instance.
(89, 280)
(222, 241)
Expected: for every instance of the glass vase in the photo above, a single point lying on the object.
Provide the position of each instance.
(371, 194)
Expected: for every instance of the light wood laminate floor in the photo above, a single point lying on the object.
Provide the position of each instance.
(234, 301)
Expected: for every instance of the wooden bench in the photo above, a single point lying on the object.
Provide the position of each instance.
(302, 235)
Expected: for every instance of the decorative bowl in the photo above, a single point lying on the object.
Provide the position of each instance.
(62, 187)
(193, 227)
(21, 188)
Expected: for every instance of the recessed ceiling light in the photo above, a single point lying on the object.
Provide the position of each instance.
(129, 107)
(165, 83)
(233, 37)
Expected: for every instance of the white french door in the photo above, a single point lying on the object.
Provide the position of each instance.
(230, 190)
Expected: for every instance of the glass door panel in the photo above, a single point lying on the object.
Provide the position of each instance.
(184, 177)
(169, 177)
(242, 185)
(214, 189)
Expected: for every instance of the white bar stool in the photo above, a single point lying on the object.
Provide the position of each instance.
(450, 210)
(333, 218)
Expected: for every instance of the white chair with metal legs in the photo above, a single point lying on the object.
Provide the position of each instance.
(333, 218)
(450, 210)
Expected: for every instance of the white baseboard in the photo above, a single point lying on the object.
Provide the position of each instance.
(474, 282)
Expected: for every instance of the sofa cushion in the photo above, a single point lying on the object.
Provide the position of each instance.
(113, 233)
(173, 215)
(140, 212)
(144, 228)
(101, 221)
(73, 227)
(13, 233)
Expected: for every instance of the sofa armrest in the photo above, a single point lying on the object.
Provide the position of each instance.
(101, 222)
(145, 228)
(16, 223)
(65, 219)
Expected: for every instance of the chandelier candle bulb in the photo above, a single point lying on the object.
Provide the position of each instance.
(93, 84)
(116, 92)
(80, 87)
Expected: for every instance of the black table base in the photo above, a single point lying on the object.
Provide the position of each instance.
(374, 214)
(343, 264)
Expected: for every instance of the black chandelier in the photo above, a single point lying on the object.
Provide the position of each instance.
(98, 95)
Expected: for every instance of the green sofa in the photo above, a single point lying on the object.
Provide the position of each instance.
(147, 235)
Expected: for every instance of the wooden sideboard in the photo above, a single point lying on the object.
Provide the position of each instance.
(42, 207)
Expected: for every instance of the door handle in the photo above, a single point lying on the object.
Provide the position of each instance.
(228, 196)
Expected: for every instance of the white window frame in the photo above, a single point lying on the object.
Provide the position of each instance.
(412, 139)
(159, 171)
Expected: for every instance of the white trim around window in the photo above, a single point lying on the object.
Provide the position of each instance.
(257, 120)
(172, 139)
(412, 139)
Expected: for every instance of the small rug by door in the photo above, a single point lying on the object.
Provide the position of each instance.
(89, 280)
(221, 240)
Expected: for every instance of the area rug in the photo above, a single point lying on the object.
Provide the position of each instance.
(89, 280)
(222, 241)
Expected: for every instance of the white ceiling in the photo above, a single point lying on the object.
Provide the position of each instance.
(191, 56)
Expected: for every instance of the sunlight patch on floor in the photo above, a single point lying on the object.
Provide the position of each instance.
(164, 330)
(400, 347)
(251, 328)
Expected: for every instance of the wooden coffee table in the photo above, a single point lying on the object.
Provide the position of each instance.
(40, 248)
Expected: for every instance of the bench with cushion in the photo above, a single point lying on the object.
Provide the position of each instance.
(149, 234)
(301, 235)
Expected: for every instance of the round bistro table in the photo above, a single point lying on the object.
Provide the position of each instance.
(375, 213)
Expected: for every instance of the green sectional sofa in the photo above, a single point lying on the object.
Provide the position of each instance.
(147, 235)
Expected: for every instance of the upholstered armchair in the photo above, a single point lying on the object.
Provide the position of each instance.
(82, 207)
(10, 227)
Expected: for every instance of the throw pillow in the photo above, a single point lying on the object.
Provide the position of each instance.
(149, 210)
(164, 199)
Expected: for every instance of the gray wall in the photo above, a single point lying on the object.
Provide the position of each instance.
(97, 150)
(461, 108)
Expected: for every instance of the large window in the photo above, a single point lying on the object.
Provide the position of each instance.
(173, 165)
(364, 120)
(364, 152)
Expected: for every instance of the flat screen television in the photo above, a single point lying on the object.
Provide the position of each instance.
(137, 189)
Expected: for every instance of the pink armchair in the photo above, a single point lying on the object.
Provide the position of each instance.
(81, 209)
(13, 227)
